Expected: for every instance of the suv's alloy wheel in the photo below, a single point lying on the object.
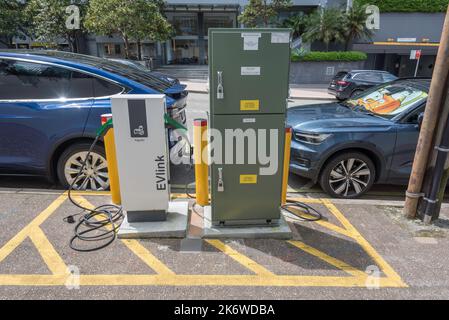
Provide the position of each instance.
(348, 175)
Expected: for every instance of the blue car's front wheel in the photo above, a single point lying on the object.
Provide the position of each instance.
(348, 175)
(94, 175)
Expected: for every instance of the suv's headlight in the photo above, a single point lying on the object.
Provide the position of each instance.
(313, 138)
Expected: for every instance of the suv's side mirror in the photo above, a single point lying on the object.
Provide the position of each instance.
(420, 118)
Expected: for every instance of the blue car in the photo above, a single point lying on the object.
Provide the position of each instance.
(50, 108)
(371, 138)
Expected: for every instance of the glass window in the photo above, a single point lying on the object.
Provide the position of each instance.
(371, 77)
(28, 80)
(388, 77)
(218, 20)
(184, 24)
(103, 88)
(390, 99)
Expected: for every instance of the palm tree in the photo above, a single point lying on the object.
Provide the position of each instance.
(355, 24)
(325, 25)
(297, 23)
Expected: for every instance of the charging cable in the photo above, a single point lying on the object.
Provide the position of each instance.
(100, 223)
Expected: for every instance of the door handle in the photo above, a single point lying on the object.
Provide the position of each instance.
(220, 184)
(220, 91)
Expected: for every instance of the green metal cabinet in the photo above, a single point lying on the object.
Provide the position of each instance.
(261, 74)
(248, 81)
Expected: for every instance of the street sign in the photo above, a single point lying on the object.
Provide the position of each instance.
(415, 54)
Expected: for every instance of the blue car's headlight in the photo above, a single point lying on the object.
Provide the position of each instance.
(312, 138)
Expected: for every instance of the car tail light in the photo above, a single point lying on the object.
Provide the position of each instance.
(342, 83)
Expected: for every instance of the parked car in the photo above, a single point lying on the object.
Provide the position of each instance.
(347, 146)
(155, 74)
(50, 108)
(346, 85)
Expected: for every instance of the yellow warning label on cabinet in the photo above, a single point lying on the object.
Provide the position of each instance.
(248, 178)
(249, 105)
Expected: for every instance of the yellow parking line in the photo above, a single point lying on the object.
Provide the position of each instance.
(25, 232)
(148, 258)
(48, 252)
(385, 267)
(193, 280)
(143, 253)
(325, 224)
(240, 258)
(330, 260)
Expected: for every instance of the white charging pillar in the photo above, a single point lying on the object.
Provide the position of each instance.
(142, 155)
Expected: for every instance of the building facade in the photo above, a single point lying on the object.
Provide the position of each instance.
(390, 47)
(191, 20)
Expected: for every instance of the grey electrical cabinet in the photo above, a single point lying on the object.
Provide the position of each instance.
(248, 81)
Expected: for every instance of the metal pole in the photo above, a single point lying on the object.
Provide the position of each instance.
(432, 198)
(431, 115)
(417, 64)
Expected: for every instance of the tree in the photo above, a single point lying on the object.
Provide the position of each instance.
(325, 25)
(262, 11)
(355, 24)
(12, 20)
(297, 23)
(49, 20)
(132, 19)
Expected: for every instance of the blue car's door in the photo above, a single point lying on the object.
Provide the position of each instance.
(40, 106)
(404, 153)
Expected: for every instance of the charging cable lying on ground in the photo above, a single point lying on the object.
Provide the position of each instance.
(100, 223)
(308, 213)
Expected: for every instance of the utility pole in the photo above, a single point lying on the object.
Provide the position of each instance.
(431, 116)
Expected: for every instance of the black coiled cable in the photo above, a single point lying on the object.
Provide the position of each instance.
(94, 220)
(311, 214)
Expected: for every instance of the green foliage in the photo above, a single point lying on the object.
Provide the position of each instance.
(297, 23)
(355, 24)
(132, 19)
(48, 19)
(12, 18)
(335, 25)
(328, 56)
(262, 12)
(407, 5)
(326, 25)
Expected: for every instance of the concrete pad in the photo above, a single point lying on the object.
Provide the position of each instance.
(174, 227)
(278, 231)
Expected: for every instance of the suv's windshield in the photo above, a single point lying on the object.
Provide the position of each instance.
(390, 99)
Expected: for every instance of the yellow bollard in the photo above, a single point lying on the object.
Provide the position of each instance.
(288, 140)
(111, 158)
(201, 167)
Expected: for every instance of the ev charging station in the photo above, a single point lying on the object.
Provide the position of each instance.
(248, 99)
(143, 168)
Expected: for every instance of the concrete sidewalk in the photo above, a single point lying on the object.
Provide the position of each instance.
(304, 91)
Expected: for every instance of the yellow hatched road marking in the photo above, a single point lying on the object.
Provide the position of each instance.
(240, 258)
(194, 280)
(325, 224)
(48, 252)
(143, 253)
(26, 231)
(330, 260)
(139, 250)
(385, 267)
(167, 277)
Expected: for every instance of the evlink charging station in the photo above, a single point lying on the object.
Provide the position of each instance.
(249, 84)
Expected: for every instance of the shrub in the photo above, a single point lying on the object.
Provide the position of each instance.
(408, 5)
(328, 56)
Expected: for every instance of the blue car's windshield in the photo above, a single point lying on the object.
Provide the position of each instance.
(389, 99)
